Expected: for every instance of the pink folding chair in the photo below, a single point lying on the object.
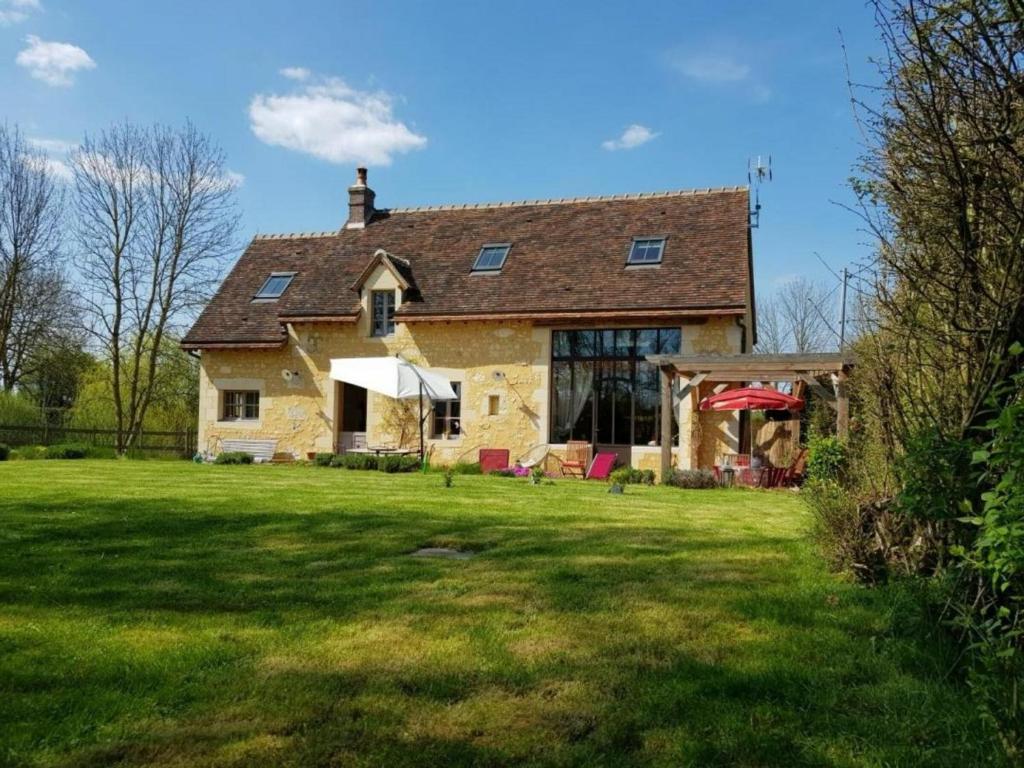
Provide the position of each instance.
(492, 459)
(601, 466)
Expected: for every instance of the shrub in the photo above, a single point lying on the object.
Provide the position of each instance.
(936, 476)
(354, 461)
(692, 478)
(367, 461)
(449, 476)
(625, 475)
(506, 472)
(466, 468)
(67, 451)
(836, 525)
(536, 476)
(29, 452)
(827, 458)
(392, 463)
(233, 457)
(18, 410)
(323, 459)
(991, 607)
(5, 451)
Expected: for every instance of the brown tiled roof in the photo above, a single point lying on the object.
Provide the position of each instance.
(567, 258)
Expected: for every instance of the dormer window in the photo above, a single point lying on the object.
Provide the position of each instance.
(274, 286)
(491, 258)
(383, 309)
(646, 250)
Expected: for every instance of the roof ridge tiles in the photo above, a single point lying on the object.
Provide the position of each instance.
(517, 204)
(567, 200)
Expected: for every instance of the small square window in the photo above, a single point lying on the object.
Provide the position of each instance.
(491, 258)
(646, 250)
(493, 405)
(241, 405)
(275, 285)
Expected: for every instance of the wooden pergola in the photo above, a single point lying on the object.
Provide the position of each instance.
(803, 370)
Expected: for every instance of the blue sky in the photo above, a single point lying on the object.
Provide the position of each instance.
(469, 101)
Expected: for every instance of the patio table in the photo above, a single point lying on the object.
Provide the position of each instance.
(382, 451)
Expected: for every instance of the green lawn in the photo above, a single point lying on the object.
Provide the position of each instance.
(161, 613)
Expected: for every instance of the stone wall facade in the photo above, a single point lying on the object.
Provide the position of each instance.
(300, 405)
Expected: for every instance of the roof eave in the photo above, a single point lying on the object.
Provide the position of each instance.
(576, 315)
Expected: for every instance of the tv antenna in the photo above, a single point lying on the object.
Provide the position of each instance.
(758, 172)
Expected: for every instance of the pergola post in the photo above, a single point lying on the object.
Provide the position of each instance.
(667, 375)
(842, 407)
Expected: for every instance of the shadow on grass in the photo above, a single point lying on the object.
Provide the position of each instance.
(220, 633)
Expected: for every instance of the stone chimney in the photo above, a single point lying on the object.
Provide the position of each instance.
(360, 202)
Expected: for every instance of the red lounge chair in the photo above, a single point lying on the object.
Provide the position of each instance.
(492, 459)
(601, 466)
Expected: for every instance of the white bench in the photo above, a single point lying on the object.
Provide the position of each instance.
(260, 450)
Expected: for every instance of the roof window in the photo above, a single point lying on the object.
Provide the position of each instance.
(491, 258)
(646, 250)
(275, 285)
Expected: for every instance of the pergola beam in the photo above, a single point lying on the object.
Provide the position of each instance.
(667, 376)
(819, 389)
(692, 384)
(823, 363)
(802, 369)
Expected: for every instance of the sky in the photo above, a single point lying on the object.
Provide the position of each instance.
(453, 102)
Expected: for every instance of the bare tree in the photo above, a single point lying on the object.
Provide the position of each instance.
(33, 301)
(771, 334)
(799, 317)
(156, 219)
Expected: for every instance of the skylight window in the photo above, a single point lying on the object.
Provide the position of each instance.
(275, 285)
(646, 250)
(491, 258)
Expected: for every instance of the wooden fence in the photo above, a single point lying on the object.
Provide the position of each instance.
(156, 441)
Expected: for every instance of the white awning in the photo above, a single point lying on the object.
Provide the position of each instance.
(391, 376)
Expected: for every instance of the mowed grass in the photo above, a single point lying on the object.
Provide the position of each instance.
(157, 613)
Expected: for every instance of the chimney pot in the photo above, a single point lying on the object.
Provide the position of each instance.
(360, 202)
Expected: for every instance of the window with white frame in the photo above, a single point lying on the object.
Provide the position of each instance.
(240, 405)
(383, 313)
(448, 416)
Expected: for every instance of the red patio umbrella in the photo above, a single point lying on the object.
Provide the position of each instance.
(751, 399)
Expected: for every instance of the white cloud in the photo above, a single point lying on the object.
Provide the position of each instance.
(723, 64)
(53, 63)
(296, 73)
(710, 67)
(330, 120)
(632, 137)
(15, 11)
(53, 146)
(52, 156)
(56, 167)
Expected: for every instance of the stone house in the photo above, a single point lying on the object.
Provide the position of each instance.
(541, 313)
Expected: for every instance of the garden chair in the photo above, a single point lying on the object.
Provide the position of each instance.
(601, 466)
(577, 459)
(795, 471)
(772, 477)
(535, 456)
(492, 459)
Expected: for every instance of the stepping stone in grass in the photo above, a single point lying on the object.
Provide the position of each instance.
(442, 552)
